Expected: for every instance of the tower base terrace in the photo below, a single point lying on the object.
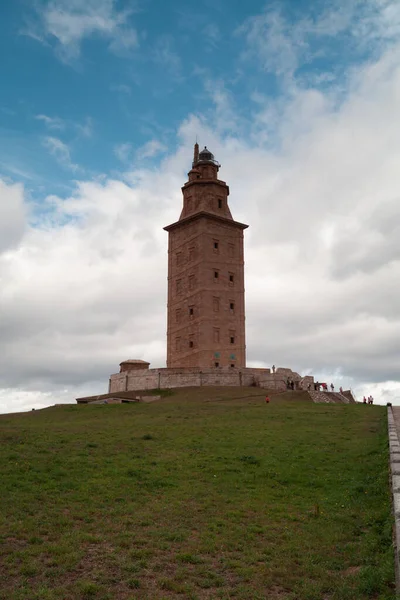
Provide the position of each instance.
(136, 375)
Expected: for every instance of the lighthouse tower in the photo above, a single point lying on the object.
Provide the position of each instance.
(206, 314)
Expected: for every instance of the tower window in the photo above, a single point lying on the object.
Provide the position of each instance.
(216, 245)
(191, 253)
(232, 307)
(216, 364)
(215, 304)
(191, 341)
(179, 286)
(178, 315)
(191, 282)
(232, 338)
(219, 203)
(231, 278)
(191, 311)
(232, 366)
(216, 275)
(231, 250)
(216, 335)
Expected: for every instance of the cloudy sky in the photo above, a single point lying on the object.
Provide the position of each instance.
(101, 103)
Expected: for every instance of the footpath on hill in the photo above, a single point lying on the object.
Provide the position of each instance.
(202, 495)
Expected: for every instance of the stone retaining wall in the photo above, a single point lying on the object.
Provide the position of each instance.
(394, 448)
(150, 379)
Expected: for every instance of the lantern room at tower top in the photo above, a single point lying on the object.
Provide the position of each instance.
(204, 191)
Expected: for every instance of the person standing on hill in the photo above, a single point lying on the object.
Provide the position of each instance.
(332, 387)
(267, 399)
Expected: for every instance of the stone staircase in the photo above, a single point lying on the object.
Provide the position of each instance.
(330, 397)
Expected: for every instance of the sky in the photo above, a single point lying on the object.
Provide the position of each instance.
(101, 102)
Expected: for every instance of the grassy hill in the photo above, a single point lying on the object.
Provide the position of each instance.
(208, 493)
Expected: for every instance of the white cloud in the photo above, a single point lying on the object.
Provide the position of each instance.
(380, 22)
(151, 149)
(124, 41)
(165, 54)
(212, 36)
(12, 216)
(69, 22)
(51, 122)
(123, 151)
(85, 129)
(121, 87)
(223, 106)
(61, 152)
(17, 171)
(281, 46)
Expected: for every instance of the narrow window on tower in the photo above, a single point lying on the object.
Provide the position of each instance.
(178, 315)
(232, 337)
(231, 250)
(216, 364)
(231, 279)
(216, 276)
(191, 312)
(179, 286)
(215, 304)
(232, 366)
(219, 203)
(231, 307)
(216, 335)
(191, 282)
(191, 341)
(216, 246)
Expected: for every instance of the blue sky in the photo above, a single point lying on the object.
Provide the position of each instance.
(101, 103)
(137, 72)
(128, 94)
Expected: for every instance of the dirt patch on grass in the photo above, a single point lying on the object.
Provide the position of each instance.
(351, 571)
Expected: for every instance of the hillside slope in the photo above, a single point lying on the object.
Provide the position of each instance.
(204, 494)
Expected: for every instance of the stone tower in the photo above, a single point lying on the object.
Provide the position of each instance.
(206, 320)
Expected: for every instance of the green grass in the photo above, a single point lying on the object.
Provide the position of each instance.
(208, 493)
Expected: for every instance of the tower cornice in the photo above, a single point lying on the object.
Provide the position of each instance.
(203, 214)
(198, 182)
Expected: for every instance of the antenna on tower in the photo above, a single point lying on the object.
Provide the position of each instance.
(196, 153)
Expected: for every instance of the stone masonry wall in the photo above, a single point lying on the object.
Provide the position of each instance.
(195, 377)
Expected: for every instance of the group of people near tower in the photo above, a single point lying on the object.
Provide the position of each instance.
(324, 386)
(368, 400)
